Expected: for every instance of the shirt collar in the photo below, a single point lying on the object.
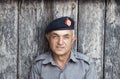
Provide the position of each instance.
(73, 57)
(49, 58)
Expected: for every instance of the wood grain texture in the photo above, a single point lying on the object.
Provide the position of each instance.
(22, 26)
(112, 41)
(8, 40)
(44, 16)
(27, 37)
(91, 31)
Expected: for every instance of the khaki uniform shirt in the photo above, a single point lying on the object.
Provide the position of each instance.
(79, 66)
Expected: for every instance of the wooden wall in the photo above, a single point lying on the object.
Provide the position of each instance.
(22, 25)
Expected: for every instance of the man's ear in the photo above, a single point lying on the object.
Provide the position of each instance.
(47, 36)
(74, 38)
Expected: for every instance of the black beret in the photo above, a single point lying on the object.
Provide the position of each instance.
(62, 23)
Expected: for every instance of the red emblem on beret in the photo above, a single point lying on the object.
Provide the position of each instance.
(67, 22)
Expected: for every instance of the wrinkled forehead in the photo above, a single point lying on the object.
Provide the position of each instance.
(62, 32)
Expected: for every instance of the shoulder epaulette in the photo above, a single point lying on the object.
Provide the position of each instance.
(83, 57)
(40, 58)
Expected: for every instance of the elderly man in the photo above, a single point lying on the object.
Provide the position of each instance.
(61, 62)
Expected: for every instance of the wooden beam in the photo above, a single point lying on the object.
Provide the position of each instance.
(8, 40)
(27, 40)
(91, 31)
(112, 41)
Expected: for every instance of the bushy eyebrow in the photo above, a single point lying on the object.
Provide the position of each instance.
(67, 35)
(54, 33)
(59, 35)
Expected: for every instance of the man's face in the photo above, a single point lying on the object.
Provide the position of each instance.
(61, 41)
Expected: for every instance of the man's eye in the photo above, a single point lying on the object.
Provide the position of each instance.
(67, 37)
(54, 36)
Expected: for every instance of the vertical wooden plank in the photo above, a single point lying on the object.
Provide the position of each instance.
(66, 8)
(91, 31)
(8, 40)
(27, 39)
(112, 40)
(43, 16)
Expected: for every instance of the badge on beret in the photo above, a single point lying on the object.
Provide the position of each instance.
(67, 22)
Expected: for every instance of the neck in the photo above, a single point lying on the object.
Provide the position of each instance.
(61, 59)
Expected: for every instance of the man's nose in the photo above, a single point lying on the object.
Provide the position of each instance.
(60, 41)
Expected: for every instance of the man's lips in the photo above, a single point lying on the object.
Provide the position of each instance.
(59, 47)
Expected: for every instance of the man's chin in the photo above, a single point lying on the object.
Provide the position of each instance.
(59, 52)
